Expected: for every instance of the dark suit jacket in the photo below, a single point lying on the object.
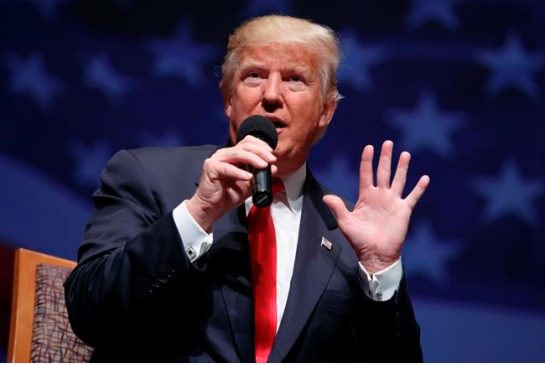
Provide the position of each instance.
(135, 296)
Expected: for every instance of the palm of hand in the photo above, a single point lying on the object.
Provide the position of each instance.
(377, 226)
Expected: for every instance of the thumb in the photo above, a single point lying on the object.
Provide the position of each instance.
(336, 205)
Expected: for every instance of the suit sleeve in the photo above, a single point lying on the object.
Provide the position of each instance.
(389, 328)
(131, 250)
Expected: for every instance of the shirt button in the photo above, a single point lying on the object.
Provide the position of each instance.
(191, 253)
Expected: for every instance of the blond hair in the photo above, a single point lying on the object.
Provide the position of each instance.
(284, 29)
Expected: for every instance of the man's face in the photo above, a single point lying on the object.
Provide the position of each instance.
(281, 82)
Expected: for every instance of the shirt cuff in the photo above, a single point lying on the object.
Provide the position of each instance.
(195, 239)
(382, 285)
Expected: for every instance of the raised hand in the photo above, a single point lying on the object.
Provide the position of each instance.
(377, 226)
(224, 183)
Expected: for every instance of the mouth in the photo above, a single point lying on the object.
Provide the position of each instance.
(279, 125)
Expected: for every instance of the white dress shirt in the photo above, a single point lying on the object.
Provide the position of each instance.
(286, 213)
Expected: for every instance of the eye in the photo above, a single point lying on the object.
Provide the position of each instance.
(252, 78)
(296, 78)
(296, 82)
(252, 75)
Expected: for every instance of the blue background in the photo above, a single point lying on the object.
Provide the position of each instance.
(458, 83)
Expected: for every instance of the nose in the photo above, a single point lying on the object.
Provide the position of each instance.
(272, 98)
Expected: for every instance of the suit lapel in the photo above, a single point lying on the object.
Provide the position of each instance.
(314, 265)
(231, 257)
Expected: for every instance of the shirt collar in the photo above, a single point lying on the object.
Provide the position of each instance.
(293, 183)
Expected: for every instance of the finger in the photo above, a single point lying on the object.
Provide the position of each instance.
(417, 192)
(217, 170)
(336, 205)
(240, 156)
(257, 146)
(253, 139)
(243, 190)
(385, 164)
(366, 169)
(249, 144)
(400, 177)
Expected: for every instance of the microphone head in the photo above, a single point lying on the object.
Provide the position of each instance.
(260, 127)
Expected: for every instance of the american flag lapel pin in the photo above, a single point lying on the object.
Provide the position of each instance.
(327, 243)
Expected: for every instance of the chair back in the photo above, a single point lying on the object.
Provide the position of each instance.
(39, 328)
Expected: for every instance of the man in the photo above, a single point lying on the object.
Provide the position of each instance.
(166, 268)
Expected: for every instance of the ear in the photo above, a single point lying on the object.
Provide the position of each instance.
(327, 114)
(227, 109)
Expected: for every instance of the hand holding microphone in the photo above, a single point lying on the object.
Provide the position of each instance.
(225, 184)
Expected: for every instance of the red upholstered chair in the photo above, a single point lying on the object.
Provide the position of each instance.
(39, 328)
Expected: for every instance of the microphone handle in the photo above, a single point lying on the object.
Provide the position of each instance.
(262, 187)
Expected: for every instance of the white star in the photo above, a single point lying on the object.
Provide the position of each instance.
(357, 60)
(260, 7)
(427, 126)
(90, 161)
(426, 255)
(438, 11)
(340, 178)
(509, 194)
(168, 139)
(101, 75)
(29, 76)
(180, 56)
(511, 66)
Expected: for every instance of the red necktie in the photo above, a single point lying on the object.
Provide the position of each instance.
(262, 238)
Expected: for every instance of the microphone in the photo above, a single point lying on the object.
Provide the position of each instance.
(262, 128)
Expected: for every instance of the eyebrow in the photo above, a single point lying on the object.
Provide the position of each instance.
(298, 67)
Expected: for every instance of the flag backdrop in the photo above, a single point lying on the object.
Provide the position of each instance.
(460, 84)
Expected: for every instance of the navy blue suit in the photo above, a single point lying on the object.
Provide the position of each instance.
(135, 295)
